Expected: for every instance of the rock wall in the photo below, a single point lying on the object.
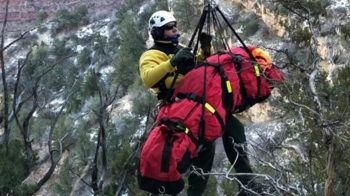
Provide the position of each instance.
(22, 14)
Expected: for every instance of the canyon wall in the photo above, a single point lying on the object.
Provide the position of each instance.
(22, 14)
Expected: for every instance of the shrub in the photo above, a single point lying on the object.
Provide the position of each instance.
(301, 36)
(41, 16)
(345, 30)
(13, 164)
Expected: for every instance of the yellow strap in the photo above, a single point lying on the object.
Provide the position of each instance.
(257, 70)
(229, 87)
(185, 129)
(210, 108)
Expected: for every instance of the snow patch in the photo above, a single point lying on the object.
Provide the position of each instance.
(340, 3)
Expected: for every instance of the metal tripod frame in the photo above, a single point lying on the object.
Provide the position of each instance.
(209, 14)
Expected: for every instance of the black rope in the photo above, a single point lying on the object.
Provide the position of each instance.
(201, 128)
(221, 32)
(201, 131)
(236, 34)
(206, 52)
(246, 49)
(205, 17)
(198, 30)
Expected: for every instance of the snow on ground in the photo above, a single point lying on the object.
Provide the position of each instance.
(340, 3)
(89, 29)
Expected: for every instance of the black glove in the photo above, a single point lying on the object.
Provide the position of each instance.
(205, 39)
(183, 60)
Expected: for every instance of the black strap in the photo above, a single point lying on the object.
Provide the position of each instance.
(229, 98)
(166, 155)
(161, 82)
(163, 90)
(177, 126)
(243, 90)
(198, 30)
(200, 100)
(227, 93)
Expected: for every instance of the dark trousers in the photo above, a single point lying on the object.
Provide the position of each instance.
(204, 161)
(233, 134)
(234, 139)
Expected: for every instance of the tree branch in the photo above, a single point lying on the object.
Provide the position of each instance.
(54, 162)
(4, 82)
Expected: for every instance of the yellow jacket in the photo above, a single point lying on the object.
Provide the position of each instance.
(156, 71)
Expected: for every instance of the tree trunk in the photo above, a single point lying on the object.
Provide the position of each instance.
(330, 169)
(29, 151)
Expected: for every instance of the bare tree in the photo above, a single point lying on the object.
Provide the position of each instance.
(55, 157)
(103, 118)
(24, 98)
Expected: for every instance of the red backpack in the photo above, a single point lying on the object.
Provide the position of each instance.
(225, 83)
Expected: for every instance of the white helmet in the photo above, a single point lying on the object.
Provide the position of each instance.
(160, 18)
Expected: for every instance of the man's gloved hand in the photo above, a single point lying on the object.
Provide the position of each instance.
(183, 60)
(205, 39)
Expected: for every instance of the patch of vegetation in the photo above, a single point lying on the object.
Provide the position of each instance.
(250, 27)
(345, 30)
(41, 17)
(13, 164)
(304, 7)
(69, 20)
(301, 36)
(84, 58)
(65, 182)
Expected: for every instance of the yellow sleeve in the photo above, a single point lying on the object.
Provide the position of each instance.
(154, 65)
(201, 56)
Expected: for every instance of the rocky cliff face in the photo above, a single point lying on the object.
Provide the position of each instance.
(22, 14)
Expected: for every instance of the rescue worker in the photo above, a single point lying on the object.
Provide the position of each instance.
(157, 68)
(160, 62)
